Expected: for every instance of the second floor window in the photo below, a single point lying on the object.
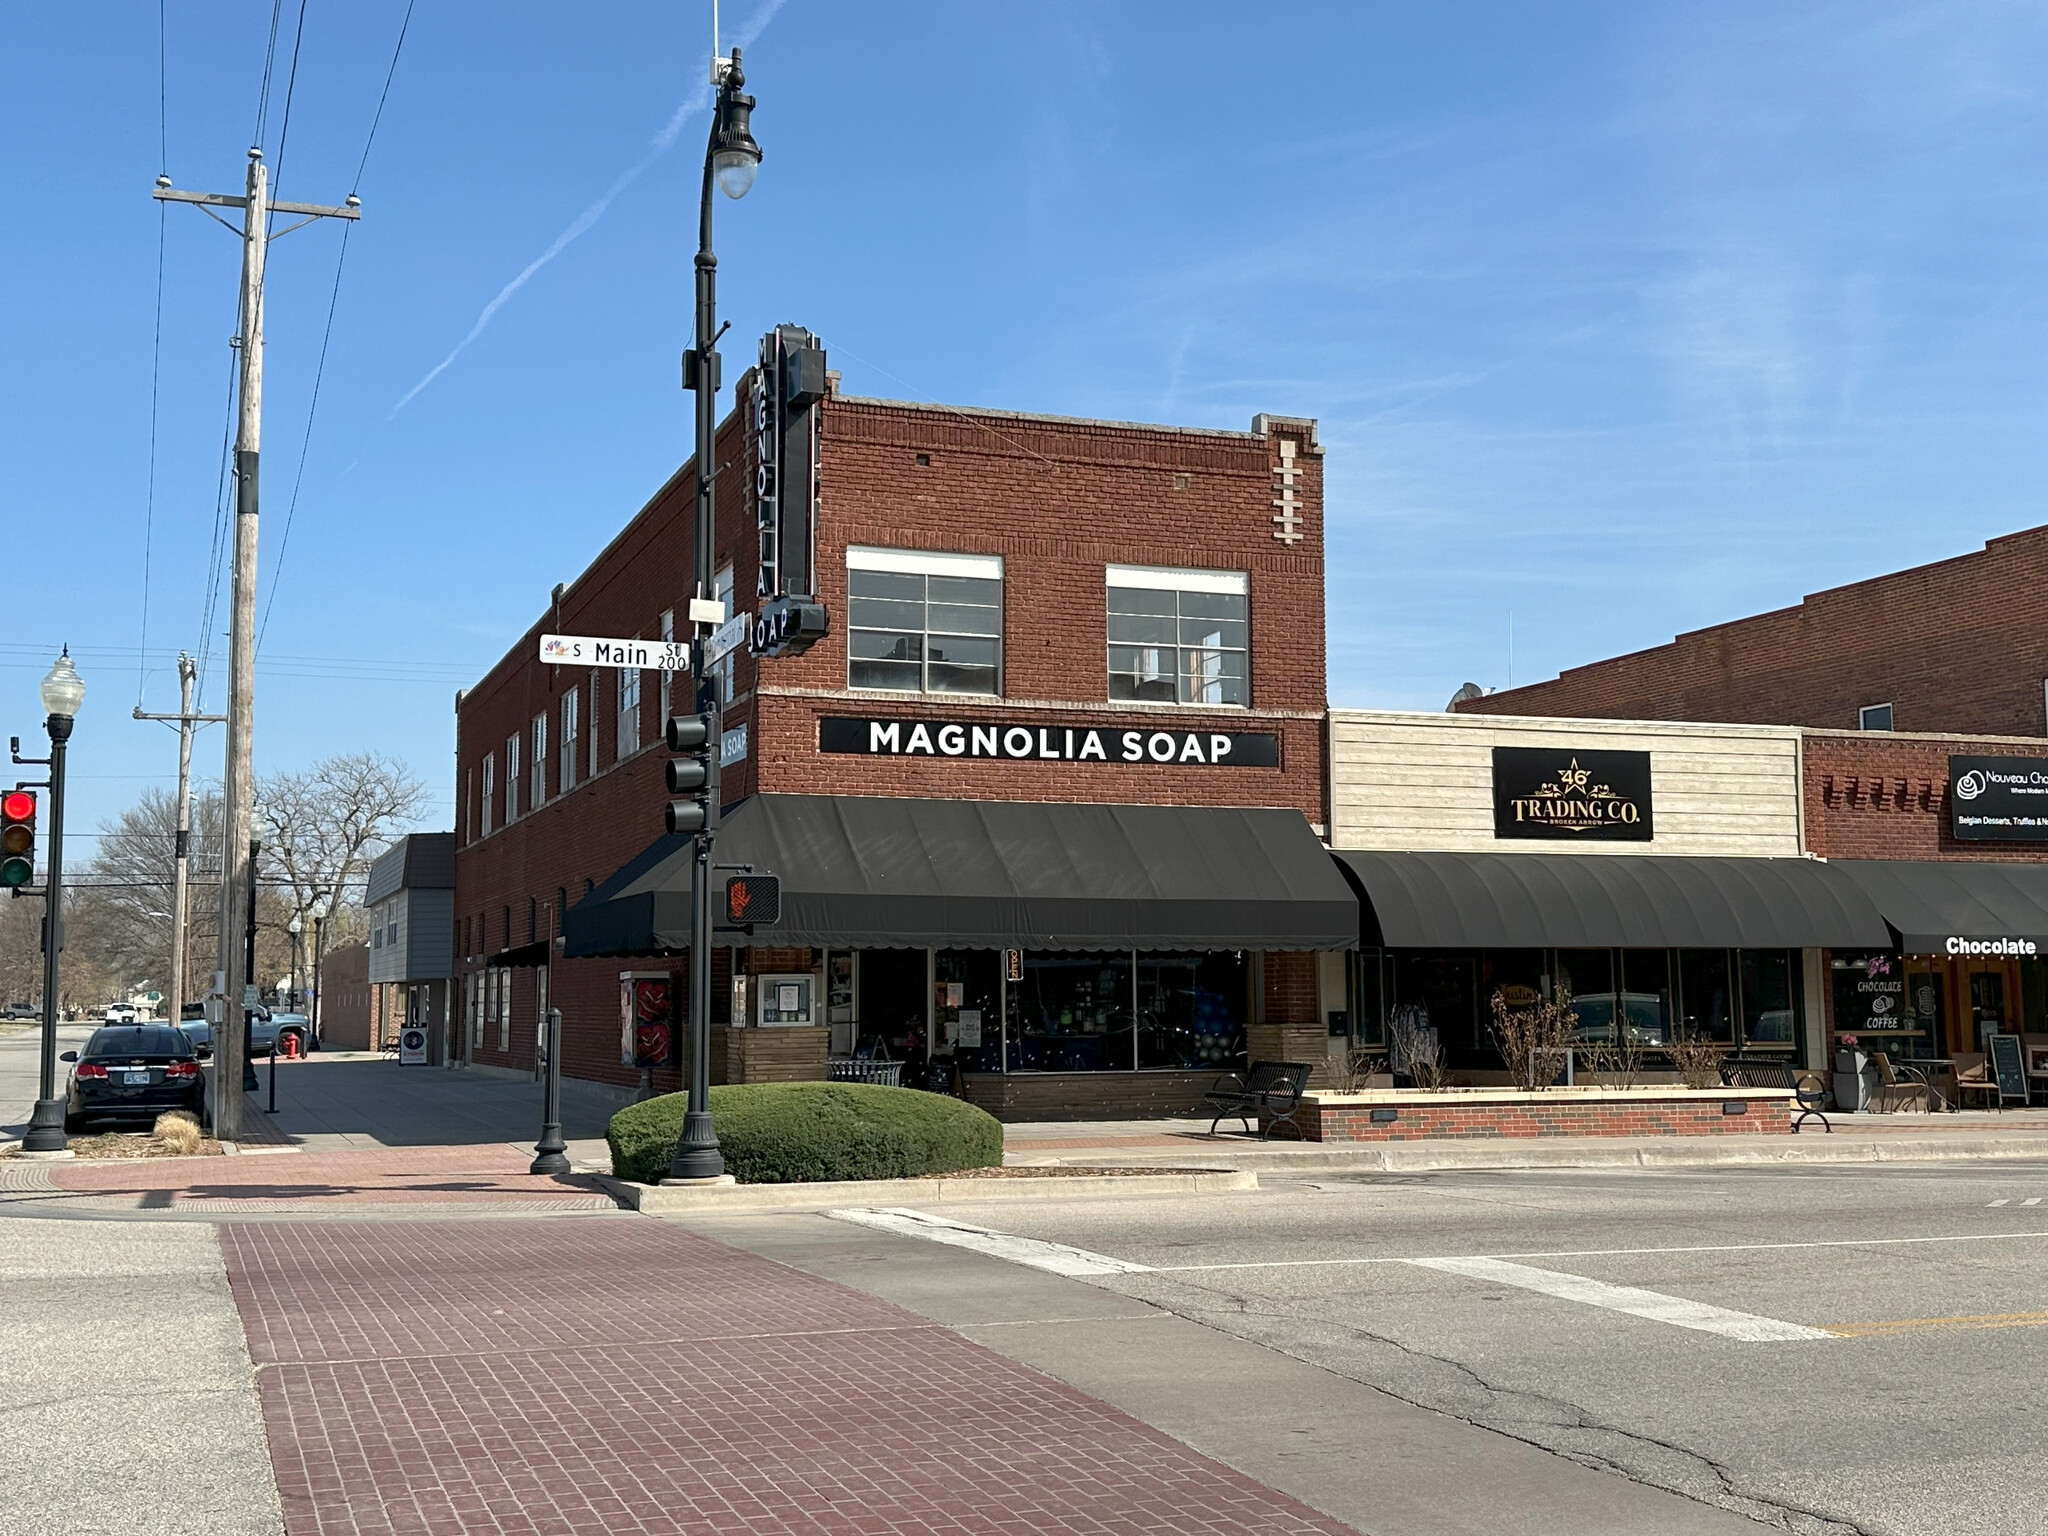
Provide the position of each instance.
(629, 713)
(537, 763)
(571, 740)
(511, 778)
(484, 830)
(922, 622)
(1178, 636)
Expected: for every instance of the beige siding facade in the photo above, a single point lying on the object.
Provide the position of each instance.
(1417, 781)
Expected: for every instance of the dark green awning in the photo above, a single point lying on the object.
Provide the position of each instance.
(867, 872)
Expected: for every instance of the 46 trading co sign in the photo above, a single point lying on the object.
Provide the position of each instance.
(1060, 742)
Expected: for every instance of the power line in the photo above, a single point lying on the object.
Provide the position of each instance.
(269, 56)
(213, 572)
(378, 116)
(290, 85)
(333, 298)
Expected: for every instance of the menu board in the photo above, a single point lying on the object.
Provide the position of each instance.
(2008, 1067)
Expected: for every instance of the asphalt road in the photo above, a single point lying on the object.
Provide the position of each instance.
(1852, 1350)
(19, 1069)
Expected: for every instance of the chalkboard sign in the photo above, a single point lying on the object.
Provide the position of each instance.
(2008, 1066)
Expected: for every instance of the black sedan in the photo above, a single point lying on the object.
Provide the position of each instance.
(134, 1071)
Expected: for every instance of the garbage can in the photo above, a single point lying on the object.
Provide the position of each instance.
(1854, 1079)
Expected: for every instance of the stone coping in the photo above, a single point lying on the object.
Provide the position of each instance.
(657, 1198)
(1460, 1097)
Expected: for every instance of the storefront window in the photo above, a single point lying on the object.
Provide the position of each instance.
(1869, 990)
(1191, 1010)
(1589, 975)
(967, 993)
(1445, 985)
(1704, 994)
(1071, 1013)
(1368, 969)
(1646, 995)
(1770, 998)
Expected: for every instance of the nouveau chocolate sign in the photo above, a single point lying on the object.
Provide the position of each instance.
(1571, 794)
(1062, 741)
(1998, 799)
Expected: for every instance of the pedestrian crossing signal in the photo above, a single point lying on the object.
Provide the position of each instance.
(751, 899)
(17, 839)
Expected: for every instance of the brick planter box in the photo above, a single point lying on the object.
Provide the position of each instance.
(1402, 1114)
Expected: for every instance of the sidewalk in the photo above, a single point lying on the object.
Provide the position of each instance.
(631, 1377)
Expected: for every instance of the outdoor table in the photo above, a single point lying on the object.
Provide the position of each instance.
(1924, 1064)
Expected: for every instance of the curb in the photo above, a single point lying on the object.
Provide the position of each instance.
(659, 1199)
(1575, 1152)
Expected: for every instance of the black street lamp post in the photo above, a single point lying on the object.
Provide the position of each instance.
(730, 159)
(249, 1083)
(320, 905)
(63, 691)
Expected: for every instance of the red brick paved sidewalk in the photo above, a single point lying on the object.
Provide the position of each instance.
(490, 1174)
(616, 1377)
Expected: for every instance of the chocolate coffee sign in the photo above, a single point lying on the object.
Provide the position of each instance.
(1570, 794)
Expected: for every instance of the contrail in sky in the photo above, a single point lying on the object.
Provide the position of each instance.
(693, 104)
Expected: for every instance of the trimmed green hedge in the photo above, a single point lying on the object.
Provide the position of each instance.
(797, 1133)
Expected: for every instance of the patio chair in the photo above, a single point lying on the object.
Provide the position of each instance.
(1899, 1083)
(1973, 1075)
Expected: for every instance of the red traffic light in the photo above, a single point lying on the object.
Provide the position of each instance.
(751, 899)
(18, 805)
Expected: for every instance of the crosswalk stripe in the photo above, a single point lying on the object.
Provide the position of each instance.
(1745, 1327)
(1055, 1257)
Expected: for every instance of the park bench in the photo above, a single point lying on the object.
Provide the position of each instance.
(1807, 1089)
(1272, 1087)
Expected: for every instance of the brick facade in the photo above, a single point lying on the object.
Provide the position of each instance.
(1871, 795)
(1957, 646)
(1058, 500)
(345, 998)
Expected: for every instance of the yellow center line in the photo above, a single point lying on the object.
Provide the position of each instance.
(1904, 1324)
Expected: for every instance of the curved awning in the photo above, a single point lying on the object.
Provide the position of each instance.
(871, 872)
(1651, 901)
(1953, 906)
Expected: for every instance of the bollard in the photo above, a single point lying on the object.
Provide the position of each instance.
(551, 1154)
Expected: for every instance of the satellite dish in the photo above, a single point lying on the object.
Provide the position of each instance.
(1468, 691)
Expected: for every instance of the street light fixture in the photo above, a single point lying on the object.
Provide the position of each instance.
(323, 904)
(730, 159)
(294, 929)
(63, 691)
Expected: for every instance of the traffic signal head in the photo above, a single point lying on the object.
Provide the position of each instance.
(694, 774)
(751, 899)
(17, 838)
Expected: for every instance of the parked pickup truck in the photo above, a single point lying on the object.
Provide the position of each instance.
(263, 1028)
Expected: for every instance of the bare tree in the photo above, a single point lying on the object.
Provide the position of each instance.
(122, 915)
(1533, 1037)
(323, 828)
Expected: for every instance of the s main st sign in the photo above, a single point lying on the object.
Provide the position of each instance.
(1570, 794)
(1062, 741)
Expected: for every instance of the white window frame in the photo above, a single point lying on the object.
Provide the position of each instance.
(537, 764)
(929, 562)
(490, 780)
(628, 717)
(504, 1009)
(1863, 717)
(1178, 579)
(572, 741)
(513, 743)
(468, 807)
(593, 723)
(723, 669)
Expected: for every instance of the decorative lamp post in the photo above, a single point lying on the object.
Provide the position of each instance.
(730, 159)
(63, 691)
(295, 929)
(323, 903)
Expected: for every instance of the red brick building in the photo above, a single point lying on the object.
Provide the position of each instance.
(1095, 638)
(1957, 646)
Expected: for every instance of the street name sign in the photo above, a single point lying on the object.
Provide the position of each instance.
(590, 651)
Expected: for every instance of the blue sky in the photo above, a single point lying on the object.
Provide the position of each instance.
(1620, 318)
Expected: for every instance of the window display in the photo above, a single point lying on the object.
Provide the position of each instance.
(1191, 1010)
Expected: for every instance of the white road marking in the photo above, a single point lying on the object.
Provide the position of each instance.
(2035, 1201)
(1056, 1257)
(1610, 1253)
(1998, 1202)
(1746, 1327)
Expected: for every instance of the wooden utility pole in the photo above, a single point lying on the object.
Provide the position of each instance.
(238, 866)
(181, 853)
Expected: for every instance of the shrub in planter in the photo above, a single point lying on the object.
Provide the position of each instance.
(793, 1133)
